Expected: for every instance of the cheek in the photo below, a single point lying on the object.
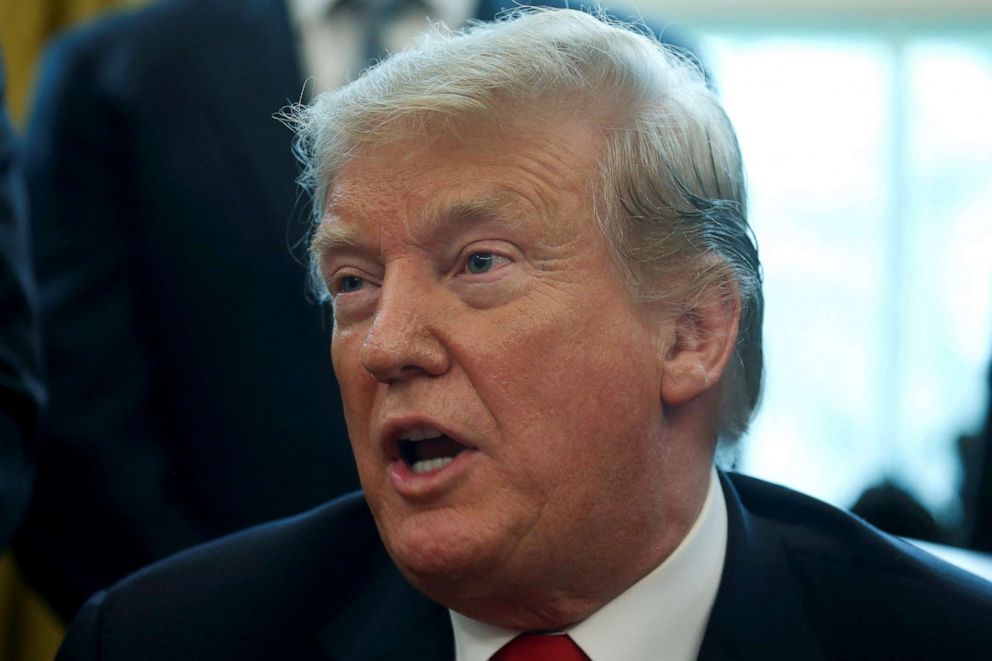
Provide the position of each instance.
(341, 349)
(572, 374)
(584, 351)
(346, 359)
(357, 388)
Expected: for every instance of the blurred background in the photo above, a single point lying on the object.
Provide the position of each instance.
(866, 129)
(867, 139)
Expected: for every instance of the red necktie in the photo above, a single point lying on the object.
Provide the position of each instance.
(536, 647)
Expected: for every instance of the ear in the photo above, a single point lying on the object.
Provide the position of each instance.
(703, 342)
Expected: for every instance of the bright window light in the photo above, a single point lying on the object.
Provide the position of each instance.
(869, 160)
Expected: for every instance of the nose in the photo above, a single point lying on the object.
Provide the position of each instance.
(402, 341)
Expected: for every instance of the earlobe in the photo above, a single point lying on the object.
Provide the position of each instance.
(703, 342)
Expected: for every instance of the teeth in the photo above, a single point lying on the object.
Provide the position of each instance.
(420, 433)
(428, 465)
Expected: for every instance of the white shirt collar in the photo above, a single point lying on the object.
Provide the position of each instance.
(666, 610)
(329, 38)
(453, 13)
(304, 11)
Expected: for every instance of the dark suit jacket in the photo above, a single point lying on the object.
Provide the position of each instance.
(21, 393)
(192, 393)
(801, 580)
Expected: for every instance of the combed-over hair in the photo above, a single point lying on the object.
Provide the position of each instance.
(672, 199)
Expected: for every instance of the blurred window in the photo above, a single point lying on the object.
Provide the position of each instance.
(869, 160)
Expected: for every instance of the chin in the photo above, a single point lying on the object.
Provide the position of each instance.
(436, 552)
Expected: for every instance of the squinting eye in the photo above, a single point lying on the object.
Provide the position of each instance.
(350, 283)
(480, 262)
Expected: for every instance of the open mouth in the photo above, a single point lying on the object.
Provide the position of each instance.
(424, 449)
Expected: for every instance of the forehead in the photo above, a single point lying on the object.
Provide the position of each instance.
(509, 171)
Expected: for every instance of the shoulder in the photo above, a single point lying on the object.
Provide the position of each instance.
(140, 45)
(821, 533)
(246, 596)
(858, 586)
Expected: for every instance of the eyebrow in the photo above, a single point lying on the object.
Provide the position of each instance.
(333, 235)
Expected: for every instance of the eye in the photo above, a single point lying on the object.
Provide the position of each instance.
(483, 262)
(349, 283)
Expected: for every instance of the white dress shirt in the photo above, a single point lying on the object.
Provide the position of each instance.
(329, 36)
(662, 616)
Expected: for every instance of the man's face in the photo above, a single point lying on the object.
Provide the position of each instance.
(502, 391)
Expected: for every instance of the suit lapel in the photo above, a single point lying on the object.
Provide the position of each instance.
(758, 611)
(255, 74)
(389, 620)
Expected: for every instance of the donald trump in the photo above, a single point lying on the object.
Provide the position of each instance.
(547, 315)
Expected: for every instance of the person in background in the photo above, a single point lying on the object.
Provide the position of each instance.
(187, 400)
(547, 307)
(891, 508)
(21, 391)
(981, 499)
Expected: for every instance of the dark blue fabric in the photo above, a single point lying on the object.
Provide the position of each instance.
(191, 390)
(21, 392)
(801, 580)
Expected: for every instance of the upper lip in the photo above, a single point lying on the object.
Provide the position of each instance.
(397, 427)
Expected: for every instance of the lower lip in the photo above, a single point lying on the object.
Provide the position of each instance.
(418, 486)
